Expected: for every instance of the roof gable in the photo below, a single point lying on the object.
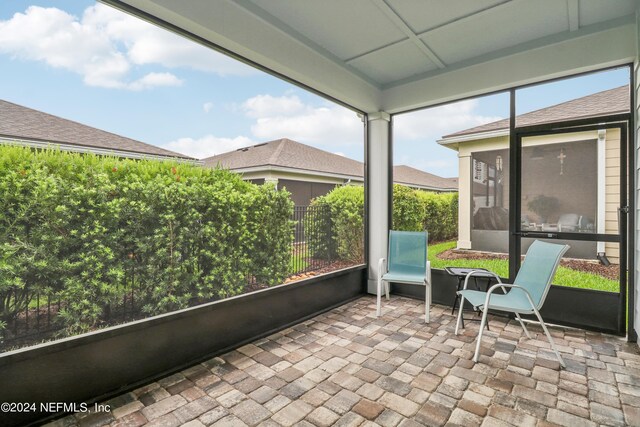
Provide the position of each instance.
(407, 175)
(286, 153)
(23, 123)
(608, 102)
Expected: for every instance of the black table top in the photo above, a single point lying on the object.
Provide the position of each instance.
(463, 271)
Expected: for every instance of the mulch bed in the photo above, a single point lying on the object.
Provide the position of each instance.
(611, 272)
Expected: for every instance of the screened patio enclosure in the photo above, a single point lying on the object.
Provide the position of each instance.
(378, 58)
(386, 57)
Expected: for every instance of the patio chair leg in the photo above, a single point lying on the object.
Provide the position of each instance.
(459, 320)
(427, 301)
(387, 285)
(553, 344)
(378, 298)
(482, 323)
(526, 332)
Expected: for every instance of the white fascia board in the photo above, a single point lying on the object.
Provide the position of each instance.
(586, 50)
(310, 174)
(473, 137)
(94, 150)
(240, 28)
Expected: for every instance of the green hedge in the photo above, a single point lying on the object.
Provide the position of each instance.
(413, 210)
(87, 229)
(346, 205)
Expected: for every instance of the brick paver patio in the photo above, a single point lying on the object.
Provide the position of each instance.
(347, 368)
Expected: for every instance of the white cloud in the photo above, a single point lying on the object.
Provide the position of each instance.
(261, 106)
(288, 117)
(325, 127)
(207, 106)
(208, 145)
(433, 123)
(415, 135)
(105, 46)
(148, 44)
(155, 79)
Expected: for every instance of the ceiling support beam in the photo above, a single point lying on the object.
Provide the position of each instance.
(573, 13)
(615, 46)
(402, 26)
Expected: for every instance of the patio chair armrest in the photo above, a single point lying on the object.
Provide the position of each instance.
(382, 266)
(503, 286)
(428, 273)
(483, 273)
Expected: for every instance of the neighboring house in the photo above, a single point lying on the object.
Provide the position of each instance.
(33, 128)
(560, 175)
(309, 172)
(421, 180)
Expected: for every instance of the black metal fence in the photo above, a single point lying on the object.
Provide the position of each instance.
(28, 316)
(313, 239)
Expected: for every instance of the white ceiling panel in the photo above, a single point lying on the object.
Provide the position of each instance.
(344, 28)
(397, 62)
(498, 28)
(423, 15)
(594, 11)
(399, 54)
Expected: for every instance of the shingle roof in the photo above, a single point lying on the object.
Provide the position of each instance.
(22, 123)
(415, 177)
(612, 101)
(286, 153)
(289, 154)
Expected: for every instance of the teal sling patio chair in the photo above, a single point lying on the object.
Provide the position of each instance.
(525, 296)
(406, 263)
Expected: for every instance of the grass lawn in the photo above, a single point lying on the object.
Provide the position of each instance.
(297, 264)
(564, 276)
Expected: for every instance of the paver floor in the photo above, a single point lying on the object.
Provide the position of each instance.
(347, 368)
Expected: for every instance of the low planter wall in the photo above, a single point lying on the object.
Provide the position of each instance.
(97, 365)
(580, 308)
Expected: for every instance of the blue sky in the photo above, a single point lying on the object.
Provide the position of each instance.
(95, 65)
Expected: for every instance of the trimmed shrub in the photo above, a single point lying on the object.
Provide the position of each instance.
(408, 210)
(86, 230)
(413, 210)
(346, 204)
(440, 214)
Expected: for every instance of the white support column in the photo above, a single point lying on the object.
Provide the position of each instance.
(378, 193)
(465, 186)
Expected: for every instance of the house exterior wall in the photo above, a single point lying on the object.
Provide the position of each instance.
(303, 192)
(612, 195)
(466, 151)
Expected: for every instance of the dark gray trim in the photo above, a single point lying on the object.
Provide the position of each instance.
(367, 199)
(632, 335)
(390, 176)
(98, 365)
(514, 186)
(590, 123)
(620, 122)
